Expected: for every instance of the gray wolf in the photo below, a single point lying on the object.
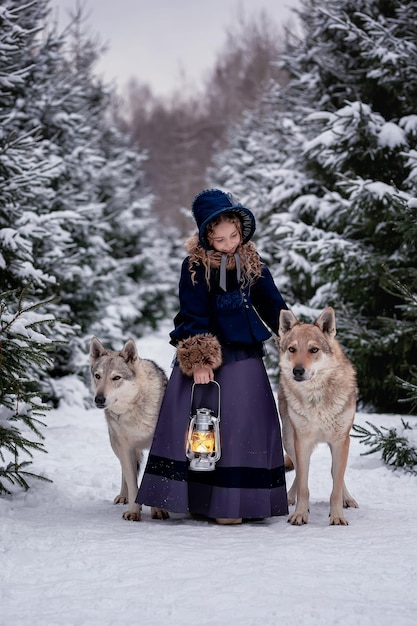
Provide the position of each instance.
(130, 390)
(317, 403)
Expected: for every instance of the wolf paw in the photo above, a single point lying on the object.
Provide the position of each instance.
(131, 516)
(298, 519)
(159, 513)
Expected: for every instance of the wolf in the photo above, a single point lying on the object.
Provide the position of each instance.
(317, 403)
(130, 390)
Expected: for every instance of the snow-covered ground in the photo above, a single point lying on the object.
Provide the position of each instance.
(68, 558)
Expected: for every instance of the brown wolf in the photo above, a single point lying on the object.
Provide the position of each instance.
(130, 390)
(317, 403)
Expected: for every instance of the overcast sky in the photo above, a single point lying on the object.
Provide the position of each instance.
(157, 40)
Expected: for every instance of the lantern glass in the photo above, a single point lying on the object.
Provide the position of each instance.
(203, 442)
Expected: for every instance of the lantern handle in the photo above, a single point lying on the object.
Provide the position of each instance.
(218, 402)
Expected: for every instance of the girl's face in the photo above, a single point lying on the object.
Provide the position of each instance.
(225, 237)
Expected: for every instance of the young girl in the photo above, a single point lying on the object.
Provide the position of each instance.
(225, 292)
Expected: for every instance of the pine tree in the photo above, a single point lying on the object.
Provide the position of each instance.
(110, 252)
(77, 238)
(345, 179)
(77, 223)
(25, 348)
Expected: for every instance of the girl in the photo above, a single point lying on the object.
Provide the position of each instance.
(225, 292)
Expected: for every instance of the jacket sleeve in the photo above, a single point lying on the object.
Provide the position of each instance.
(267, 300)
(196, 345)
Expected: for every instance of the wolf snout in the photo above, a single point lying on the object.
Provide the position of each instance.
(298, 372)
(100, 402)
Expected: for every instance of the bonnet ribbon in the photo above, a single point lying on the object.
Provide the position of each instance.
(223, 263)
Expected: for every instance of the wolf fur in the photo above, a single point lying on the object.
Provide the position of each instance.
(130, 390)
(317, 403)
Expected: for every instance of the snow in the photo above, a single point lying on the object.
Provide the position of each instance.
(391, 136)
(68, 558)
(409, 123)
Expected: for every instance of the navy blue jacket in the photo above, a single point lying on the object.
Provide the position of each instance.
(235, 316)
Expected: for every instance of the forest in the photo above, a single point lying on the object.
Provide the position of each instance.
(315, 131)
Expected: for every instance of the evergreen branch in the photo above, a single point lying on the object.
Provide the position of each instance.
(396, 287)
(410, 388)
(16, 474)
(13, 441)
(396, 450)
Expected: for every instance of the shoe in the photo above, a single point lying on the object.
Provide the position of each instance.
(228, 521)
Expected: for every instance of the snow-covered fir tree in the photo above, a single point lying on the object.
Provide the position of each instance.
(78, 241)
(26, 348)
(25, 174)
(78, 223)
(344, 163)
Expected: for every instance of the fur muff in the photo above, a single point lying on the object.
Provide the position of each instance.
(199, 351)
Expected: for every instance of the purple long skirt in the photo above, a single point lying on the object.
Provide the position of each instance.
(249, 479)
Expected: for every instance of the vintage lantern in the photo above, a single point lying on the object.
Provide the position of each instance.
(203, 439)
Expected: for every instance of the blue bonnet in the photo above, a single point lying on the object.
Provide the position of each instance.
(212, 202)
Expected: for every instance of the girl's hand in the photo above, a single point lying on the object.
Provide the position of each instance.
(203, 375)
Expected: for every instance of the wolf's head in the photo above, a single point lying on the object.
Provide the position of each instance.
(114, 375)
(307, 349)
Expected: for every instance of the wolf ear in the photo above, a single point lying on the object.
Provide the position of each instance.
(287, 320)
(129, 351)
(96, 349)
(327, 321)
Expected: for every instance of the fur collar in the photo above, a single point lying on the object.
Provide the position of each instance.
(250, 263)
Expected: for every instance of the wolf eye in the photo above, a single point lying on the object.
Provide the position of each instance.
(97, 376)
(116, 377)
(291, 349)
(314, 350)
